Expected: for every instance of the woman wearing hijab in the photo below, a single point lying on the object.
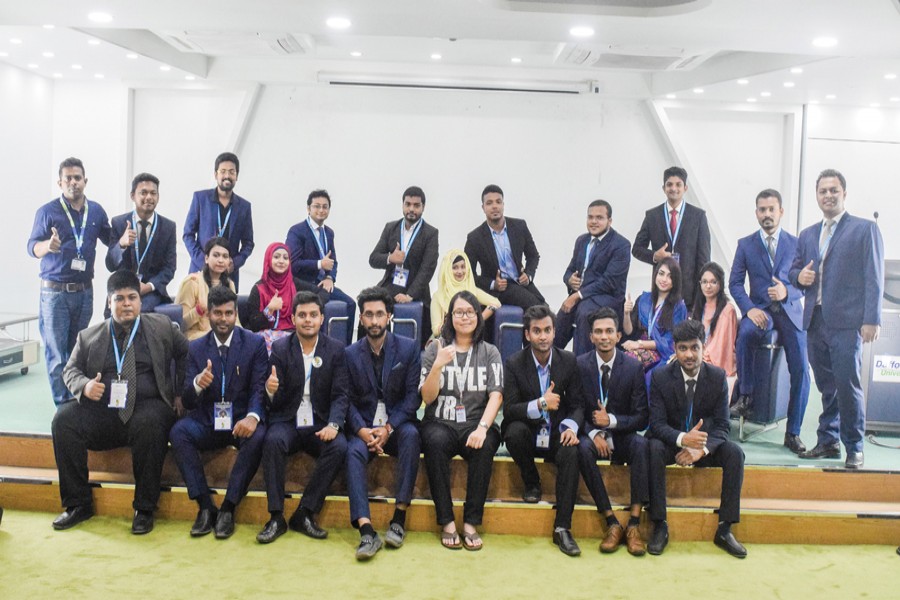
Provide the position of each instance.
(455, 276)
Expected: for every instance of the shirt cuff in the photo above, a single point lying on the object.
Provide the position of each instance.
(594, 433)
(197, 389)
(678, 440)
(568, 424)
(271, 396)
(580, 297)
(254, 415)
(612, 421)
(319, 264)
(705, 451)
(493, 281)
(152, 287)
(534, 409)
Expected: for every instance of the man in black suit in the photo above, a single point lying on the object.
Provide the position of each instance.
(689, 426)
(496, 248)
(675, 229)
(615, 410)
(542, 410)
(146, 243)
(408, 252)
(120, 374)
(307, 392)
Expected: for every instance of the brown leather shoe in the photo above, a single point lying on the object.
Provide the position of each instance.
(634, 542)
(614, 535)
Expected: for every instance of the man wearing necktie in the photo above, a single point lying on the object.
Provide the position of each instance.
(120, 374)
(689, 426)
(839, 265)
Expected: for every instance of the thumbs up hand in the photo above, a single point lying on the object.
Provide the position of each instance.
(551, 397)
(54, 243)
(695, 438)
(128, 236)
(777, 290)
(205, 378)
(499, 282)
(93, 390)
(807, 275)
(629, 304)
(272, 382)
(398, 256)
(575, 281)
(327, 262)
(275, 304)
(445, 354)
(662, 253)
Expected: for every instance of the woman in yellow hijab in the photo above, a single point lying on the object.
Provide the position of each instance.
(455, 276)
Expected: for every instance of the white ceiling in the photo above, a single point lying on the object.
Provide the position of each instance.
(230, 41)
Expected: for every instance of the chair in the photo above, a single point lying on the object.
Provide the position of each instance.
(174, 312)
(770, 402)
(408, 319)
(508, 330)
(336, 320)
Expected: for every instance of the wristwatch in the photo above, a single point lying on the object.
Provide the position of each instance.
(543, 403)
(335, 426)
(484, 424)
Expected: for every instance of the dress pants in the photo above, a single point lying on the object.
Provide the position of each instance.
(284, 439)
(404, 444)
(440, 443)
(338, 294)
(575, 324)
(628, 448)
(189, 436)
(521, 296)
(727, 455)
(520, 438)
(61, 315)
(88, 425)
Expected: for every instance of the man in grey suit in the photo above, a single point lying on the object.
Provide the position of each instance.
(121, 378)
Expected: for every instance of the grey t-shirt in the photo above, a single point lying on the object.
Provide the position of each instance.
(461, 386)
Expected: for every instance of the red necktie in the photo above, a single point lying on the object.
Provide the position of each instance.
(673, 222)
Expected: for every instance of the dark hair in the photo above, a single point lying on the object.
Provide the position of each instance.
(688, 330)
(141, 178)
(318, 194)
(769, 193)
(700, 299)
(491, 189)
(448, 333)
(459, 258)
(228, 157)
(832, 173)
(602, 203)
(536, 313)
(666, 318)
(604, 312)
(219, 295)
(675, 172)
(211, 243)
(414, 191)
(71, 163)
(305, 297)
(376, 294)
(123, 279)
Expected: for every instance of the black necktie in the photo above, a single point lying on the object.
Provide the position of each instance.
(129, 374)
(143, 242)
(223, 354)
(604, 380)
(689, 395)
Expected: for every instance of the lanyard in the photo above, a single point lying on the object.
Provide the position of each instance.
(501, 252)
(653, 318)
(323, 250)
(603, 398)
(223, 377)
(222, 226)
(79, 237)
(677, 227)
(120, 359)
(412, 237)
(587, 253)
(137, 242)
(544, 380)
(688, 421)
(465, 370)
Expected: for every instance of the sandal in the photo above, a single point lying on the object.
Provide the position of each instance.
(450, 540)
(472, 541)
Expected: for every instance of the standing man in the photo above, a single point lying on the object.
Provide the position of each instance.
(839, 265)
(542, 410)
(676, 229)
(383, 393)
(313, 255)
(146, 243)
(764, 257)
(120, 373)
(496, 249)
(307, 390)
(596, 277)
(224, 385)
(64, 237)
(220, 212)
(408, 267)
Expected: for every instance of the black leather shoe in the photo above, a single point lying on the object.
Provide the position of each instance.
(1, 514)
(567, 544)
(823, 451)
(741, 408)
(368, 546)
(142, 522)
(307, 526)
(73, 516)
(224, 525)
(659, 539)
(794, 443)
(274, 529)
(532, 495)
(204, 522)
(727, 542)
(854, 460)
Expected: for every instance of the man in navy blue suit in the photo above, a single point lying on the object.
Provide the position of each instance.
(307, 391)
(313, 256)
(596, 277)
(839, 264)
(146, 243)
(224, 383)
(220, 212)
(383, 394)
(764, 257)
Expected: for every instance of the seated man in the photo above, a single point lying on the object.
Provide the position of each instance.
(542, 409)
(383, 393)
(307, 392)
(224, 383)
(689, 426)
(615, 411)
(120, 374)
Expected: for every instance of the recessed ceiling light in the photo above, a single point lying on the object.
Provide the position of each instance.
(890, 76)
(796, 70)
(57, 75)
(356, 54)
(743, 81)
(874, 105)
(788, 84)
(98, 75)
(32, 65)
(131, 55)
(165, 68)
(824, 42)
(76, 67)
(698, 90)
(49, 26)
(751, 99)
(47, 54)
(830, 97)
(190, 77)
(670, 96)
(895, 99)
(581, 31)
(100, 17)
(15, 41)
(338, 23)
(93, 42)
(435, 56)
(515, 60)
(765, 94)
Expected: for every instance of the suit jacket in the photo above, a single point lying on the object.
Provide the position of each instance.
(327, 385)
(752, 260)
(605, 276)
(305, 253)
(669, 408)
(246, 371)
(202, 224)
(483, 256)
(627, 395)
(399, 377)
(693, 243)
(521, 385)
(166, 344)
(159, 264)
(853, 274)
(421, 260)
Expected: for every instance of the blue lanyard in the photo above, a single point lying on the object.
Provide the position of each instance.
(653, 318)
(120, 359)
(688, 422)
(587, 254)
(412, 237)
(223, 377)
(79, 237)
(544, 379)
(677, 227)
(137, 242)
(603, 397)
(222, 226)
(323, 250)
(501, 251)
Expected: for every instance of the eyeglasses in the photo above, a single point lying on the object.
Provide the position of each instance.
(374, 315)
(464, 314)
(319, 206)
(227, 172)
(708, 282)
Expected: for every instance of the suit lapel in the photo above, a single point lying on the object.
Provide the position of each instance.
(99, 348)
(680, 396)
(234, 353)
(531, 376)
(367, 364)
(390, 351)
(594, 383)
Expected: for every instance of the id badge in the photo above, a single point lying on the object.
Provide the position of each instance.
(401, 276)
(118, 394)
(543, 437)
(381, 415)
(79, 264)
(677, 257)
(460, 413)
(223, 412)
(305, 414)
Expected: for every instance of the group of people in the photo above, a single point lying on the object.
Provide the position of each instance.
(661, 362)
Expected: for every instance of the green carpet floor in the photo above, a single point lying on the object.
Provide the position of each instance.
(101, 559)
